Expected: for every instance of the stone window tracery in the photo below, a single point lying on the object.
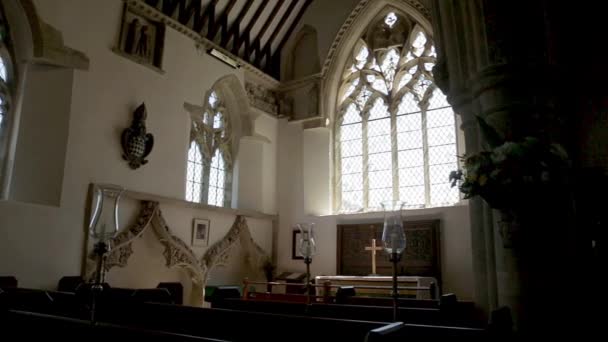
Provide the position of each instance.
(209, 171)
(395, 133)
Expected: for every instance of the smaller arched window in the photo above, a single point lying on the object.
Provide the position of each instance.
(209, 174)
(6, 98)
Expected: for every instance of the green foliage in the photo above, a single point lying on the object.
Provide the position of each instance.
(511, 173)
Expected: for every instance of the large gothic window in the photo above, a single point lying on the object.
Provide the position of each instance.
(209, 174)
(395, 134)
(6, 80)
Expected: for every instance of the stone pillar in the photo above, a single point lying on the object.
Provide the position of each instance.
(499, 60)
(315, 170)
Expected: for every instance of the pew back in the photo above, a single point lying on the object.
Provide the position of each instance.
(236, 325)
(28, 326)
(429, 316)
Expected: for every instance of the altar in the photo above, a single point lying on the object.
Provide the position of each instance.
(410, 286)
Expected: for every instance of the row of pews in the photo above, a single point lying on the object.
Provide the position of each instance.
(54, 314)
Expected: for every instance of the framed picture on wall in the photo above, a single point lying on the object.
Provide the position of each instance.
(295, 254)
(141, 39)
(200, 232)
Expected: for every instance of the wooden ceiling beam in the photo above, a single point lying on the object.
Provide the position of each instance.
(207, 16)
(186, 12)
(221, 22)
(152, 3)
(234, 29)
(169, 6)
(292, 27)
(244, 35)
(276, 31)
(273, 65)
(269, 20)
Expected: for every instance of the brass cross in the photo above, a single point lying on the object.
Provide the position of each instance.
(373, 249)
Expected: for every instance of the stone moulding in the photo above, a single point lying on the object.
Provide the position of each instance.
(48, 46)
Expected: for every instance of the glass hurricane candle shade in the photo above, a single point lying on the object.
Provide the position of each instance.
(104, 217)
(393, 236)
(306, 244)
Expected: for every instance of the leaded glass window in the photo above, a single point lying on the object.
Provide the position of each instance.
(6, 99)
(209, 172)
(395, 133)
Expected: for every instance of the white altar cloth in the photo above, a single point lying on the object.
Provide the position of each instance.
(384, 281)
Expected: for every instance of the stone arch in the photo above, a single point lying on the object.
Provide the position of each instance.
(303, 58)
(236, 101)
(34, 42)
(40, 42)
(354, 28)
(238, 239)
(177, 253)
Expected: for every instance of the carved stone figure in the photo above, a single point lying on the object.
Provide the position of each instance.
(136, 143)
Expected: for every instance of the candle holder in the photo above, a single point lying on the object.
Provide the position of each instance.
(307, 248)
(394, 242)
(102, 227)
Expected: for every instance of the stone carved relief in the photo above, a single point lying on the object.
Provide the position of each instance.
(120, 245)
(176, 252)
(238, 237)
(313, 101)
(262, 98)
(286, 105)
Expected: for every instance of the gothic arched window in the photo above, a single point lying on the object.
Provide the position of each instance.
(209, 174)
(395, 133)
(6, 80)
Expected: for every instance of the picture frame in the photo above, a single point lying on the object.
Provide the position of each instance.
(200, 232)
(295, 255)
(141, 39)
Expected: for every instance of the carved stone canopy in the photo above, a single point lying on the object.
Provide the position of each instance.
(176, 252)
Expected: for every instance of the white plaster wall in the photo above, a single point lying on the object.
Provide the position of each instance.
(42, 139)
(327, 17)
(268, 127)
(297, 169)
(248, 170)
(41, 244)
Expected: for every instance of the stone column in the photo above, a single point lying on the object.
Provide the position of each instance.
(498, 60)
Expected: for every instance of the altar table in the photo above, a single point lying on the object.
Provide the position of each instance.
(385, 281)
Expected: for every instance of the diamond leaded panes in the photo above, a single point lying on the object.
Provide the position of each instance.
(395, 133)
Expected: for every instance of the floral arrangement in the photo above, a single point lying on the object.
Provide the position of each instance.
(511, 173)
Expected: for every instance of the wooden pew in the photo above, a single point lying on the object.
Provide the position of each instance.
(26, 326)
(208, 323)
(400, 332)
(217, 323)
(429, 316)
(75, 305)
(236, 325)
(46, 302)
(8, 282)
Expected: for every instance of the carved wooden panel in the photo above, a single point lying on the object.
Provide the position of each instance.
(421, 258)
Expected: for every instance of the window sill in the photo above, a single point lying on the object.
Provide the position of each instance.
(406, 212)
